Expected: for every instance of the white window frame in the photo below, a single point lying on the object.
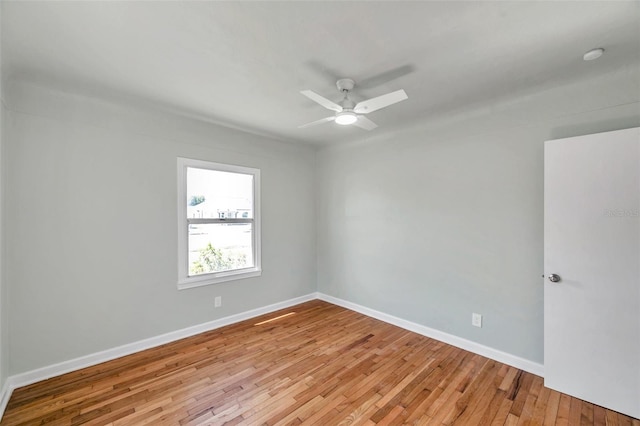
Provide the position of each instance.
(184, 280)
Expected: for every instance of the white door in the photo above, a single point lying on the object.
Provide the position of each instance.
(592, 242)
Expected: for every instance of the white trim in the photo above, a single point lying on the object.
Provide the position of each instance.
(7, 390)
(468, 345)
(206, 279)
(44, 373)
(184, 280)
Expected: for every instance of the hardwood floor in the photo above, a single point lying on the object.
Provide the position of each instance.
(315, 363)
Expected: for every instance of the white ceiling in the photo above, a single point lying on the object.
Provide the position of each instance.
(244, 63)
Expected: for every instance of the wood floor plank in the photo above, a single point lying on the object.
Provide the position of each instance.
(599, 416)
(492, 407)
(312, 364)
(503, 412)
(586, 417)
(551, 413)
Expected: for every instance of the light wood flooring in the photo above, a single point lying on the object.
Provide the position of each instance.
(312, 364)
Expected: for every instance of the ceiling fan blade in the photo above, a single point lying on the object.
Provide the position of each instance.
(386, 76)
(375, 104)
(313, 123)
(365, 123)
(322, 100)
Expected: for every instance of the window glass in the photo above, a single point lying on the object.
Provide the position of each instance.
(218, 222)
(219, 247)
(216, 194)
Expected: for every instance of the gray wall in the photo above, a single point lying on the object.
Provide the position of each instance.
(446, 218)
(428, 224)
(4, 335)
(3, 323)
(3, 311)
(91, 208)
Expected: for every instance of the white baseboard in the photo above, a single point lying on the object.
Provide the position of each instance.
(33, 376)
(7, 390)
(468, 345)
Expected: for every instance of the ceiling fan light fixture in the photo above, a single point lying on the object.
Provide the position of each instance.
(346, 118)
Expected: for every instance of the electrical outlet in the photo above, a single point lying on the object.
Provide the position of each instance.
(476, 320)
(217, 301)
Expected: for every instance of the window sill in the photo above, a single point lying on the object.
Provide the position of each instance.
(210, 279)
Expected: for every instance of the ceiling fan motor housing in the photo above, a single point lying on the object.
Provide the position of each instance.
(345, 84)
(348, 104)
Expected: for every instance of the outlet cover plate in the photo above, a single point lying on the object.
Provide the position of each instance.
(476, 320)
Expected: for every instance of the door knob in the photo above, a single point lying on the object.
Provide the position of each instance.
(554, 278)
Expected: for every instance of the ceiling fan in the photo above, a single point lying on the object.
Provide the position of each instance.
(347, 111)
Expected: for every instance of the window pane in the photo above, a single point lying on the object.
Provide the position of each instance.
(216, 194)
(219, 247)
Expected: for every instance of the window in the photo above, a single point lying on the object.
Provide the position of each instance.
(218, 222)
